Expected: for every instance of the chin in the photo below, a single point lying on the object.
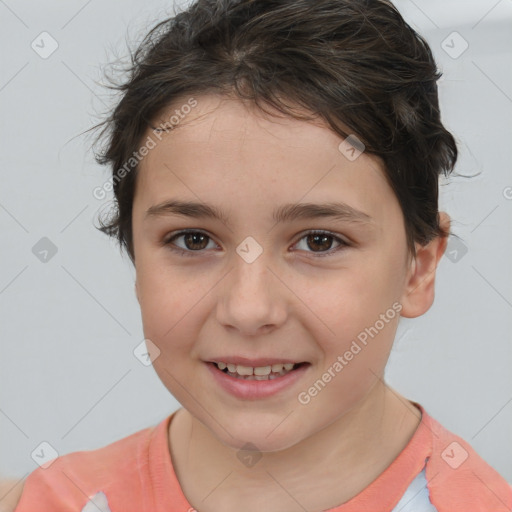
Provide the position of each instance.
(258, 437)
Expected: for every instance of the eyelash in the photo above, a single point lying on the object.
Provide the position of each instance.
(190, 253)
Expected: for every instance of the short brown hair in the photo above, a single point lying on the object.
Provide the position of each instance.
(354, 62)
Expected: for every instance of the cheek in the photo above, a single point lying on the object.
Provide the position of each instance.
(162, 302)
(162, 286)
(165, 319)
(343, 307)
(174, 305)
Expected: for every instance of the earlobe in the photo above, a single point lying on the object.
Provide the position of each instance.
(419, 291)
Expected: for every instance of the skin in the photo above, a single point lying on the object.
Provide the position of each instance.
(10, 493)
(288, 303)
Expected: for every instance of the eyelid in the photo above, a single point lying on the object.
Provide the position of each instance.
(331, 252)
(176, 234)
(338, 238)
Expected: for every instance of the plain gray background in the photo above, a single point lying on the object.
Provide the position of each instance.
(69, 325)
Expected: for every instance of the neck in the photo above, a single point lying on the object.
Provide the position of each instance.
(352, 451)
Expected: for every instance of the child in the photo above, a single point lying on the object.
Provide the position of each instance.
(275, 168)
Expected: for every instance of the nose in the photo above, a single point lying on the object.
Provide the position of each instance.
(252, 299)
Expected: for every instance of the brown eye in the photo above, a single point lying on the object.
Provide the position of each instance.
(321, 242)
(318, 243)
(193, 241)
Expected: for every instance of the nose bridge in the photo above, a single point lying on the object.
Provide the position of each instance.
(250, 299)
(251, 273)
(250, 264)
(251, 280)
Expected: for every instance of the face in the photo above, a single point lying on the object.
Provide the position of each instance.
(257, 285)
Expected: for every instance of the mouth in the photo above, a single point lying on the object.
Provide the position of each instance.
(260, 373)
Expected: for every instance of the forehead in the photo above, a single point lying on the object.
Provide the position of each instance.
(229, 152)
(221, 121)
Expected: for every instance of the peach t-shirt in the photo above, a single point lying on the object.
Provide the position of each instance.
(136, 474)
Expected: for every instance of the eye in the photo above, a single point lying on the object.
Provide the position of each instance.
(322, 240)
(196, 241)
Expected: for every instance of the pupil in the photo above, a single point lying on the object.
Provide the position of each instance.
(322, 238)
(193, 238)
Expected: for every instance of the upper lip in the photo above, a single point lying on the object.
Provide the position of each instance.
(245, 361)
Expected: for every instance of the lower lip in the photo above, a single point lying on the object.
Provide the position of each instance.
(256, 389)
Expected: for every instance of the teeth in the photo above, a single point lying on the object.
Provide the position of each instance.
(244, 370)
(262, 370)
(257, 373)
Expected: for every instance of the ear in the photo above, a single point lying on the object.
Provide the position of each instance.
(418, 294)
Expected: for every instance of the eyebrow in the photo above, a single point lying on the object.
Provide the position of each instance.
(285, 213)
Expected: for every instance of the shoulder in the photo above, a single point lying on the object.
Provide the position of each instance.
(459, 479)
(70, 480)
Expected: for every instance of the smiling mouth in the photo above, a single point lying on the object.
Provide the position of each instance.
(269, 372)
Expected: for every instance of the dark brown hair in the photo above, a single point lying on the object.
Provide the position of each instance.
(352, 63)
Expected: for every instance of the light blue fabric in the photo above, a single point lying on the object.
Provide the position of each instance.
(416, 497)
(98, 503)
